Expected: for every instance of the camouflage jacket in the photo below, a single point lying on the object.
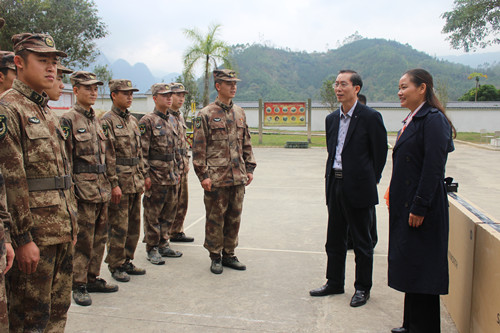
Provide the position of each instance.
(86, 146)
(125, 167)
(222, 150)
(158, 148)
(32, 156)
(4, 223)
(181, 144)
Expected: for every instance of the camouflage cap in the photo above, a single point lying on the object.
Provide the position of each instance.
(160, 88)
(7, 60)
(2, 22)
(225, 75)
(40, 43)
(64, 70)
(84, 78)
(121, 85)
(178, 88)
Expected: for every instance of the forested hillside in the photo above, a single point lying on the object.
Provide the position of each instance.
(276, 74)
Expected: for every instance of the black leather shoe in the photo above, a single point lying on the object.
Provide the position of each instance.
(325, 290)
(132, 269)
(399, 330)
(101, 286)
(360, 298)
(233, 263)
(181, 237)
(166, 251)
(216, 266)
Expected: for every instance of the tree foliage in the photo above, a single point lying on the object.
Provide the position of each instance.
(277, 74)
(74, 25)
(327, 93)
(193, 97)
(207, 49)
(103, 74)
(473, 23)
(486, 92)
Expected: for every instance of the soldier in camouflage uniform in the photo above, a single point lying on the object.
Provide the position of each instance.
(160, 198)
(56, 91)
(6, 256)
(125, 170)
(182, 160)
(39, 192)
(224, 162)
(6, 251)
(86, 147)
(7, 70)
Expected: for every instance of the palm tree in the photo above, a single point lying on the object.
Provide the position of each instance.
(206, 48)
(477, 76)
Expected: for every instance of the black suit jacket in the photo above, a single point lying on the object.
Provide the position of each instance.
(363, 156)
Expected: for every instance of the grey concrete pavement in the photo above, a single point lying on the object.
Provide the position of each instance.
(282, 240)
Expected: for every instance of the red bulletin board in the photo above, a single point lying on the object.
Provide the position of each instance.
(285, 114)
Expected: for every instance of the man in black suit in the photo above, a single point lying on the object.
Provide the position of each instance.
(357, 151)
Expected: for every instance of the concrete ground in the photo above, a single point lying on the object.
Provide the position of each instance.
(282, 240)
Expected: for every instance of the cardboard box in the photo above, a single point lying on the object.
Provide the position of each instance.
(461, 247)
(485, 309)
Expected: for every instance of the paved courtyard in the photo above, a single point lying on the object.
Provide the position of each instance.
(282, 240)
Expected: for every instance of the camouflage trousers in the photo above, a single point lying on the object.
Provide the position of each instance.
(124, 227)
(92, 235)
(223, 207)
(4, 316)
(160, 203)
(182, 205)
(38, 302)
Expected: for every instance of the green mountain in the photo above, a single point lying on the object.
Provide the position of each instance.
(283, 75)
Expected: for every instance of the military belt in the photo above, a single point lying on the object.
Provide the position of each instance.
(50, 183)
(89, 168)
(161, 157)
(127, 161)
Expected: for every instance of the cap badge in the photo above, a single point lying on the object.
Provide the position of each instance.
(49, 42)
(129, 83)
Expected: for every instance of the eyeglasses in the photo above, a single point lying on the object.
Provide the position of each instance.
(341, 84)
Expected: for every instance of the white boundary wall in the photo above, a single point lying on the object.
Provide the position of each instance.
(466, 116)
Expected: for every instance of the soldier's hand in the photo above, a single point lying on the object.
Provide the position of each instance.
(147, 183)
(10, 257)
(116, 195)
(250, 178)
(207, 184)
(28, 257)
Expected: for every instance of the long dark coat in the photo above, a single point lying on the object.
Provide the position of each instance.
(418, 256)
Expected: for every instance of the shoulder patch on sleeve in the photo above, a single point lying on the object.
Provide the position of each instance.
(142, 128)
(3, 126)
(197, 122)
(105, 129)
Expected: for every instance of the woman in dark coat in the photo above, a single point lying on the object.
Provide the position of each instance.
(418, 205)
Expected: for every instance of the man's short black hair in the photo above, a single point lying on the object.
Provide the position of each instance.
(355, 78)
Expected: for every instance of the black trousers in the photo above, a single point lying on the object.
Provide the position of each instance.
(422, 313)
(341, 217)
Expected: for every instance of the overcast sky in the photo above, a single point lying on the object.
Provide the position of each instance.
(151, 31)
